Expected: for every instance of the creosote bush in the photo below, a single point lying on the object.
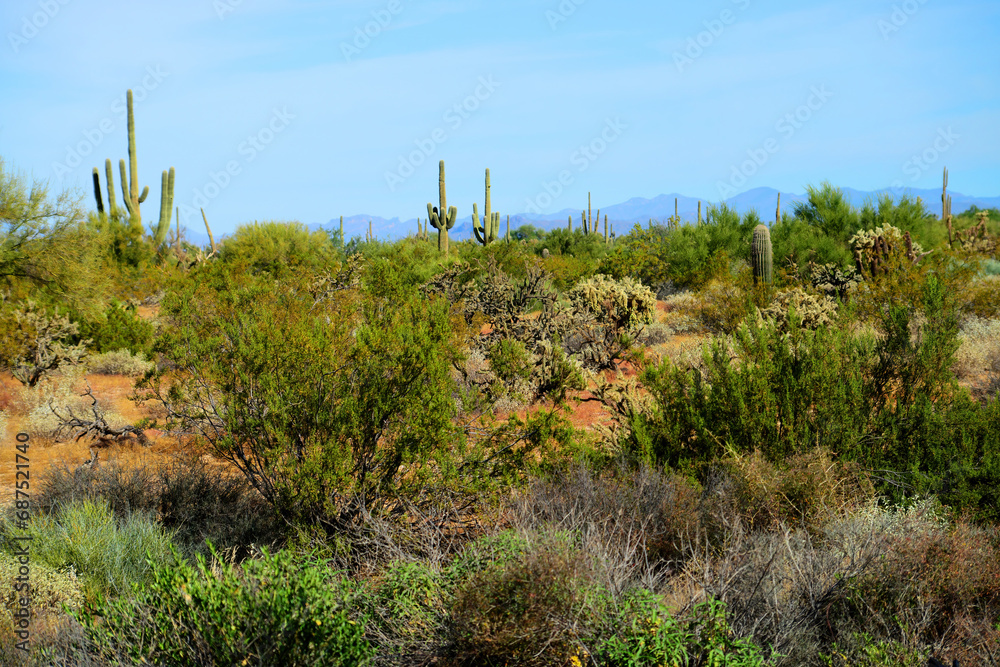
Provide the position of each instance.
(324, 402)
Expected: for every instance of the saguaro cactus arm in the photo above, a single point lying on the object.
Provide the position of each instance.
(109, 172)
(97, 192)
(166, 207)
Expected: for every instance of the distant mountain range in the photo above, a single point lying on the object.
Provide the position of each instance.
(636, 210)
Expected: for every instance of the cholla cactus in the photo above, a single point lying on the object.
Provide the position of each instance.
(608, 315)
(812, 311)
(872, 247)
(976, 239)
(833, 280)
(624, 303)
(42, 346)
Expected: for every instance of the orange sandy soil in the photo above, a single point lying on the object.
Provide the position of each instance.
(44, 454)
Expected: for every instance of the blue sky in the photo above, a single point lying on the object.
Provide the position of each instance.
(307, 110)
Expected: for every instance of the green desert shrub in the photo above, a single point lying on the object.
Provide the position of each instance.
(407, 602)
(796, 243)
(321, 401)
(640, 254)
(844, 391)
(827, 209)
(647, 633)
(277, 247)
(120, 328)
(275, 611)
(489, 551)
(107, 554)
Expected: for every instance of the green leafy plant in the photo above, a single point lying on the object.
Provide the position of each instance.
(648, 634)
(321, 402)
(272, 611)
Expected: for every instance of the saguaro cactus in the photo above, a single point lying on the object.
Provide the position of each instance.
(760, 255)
(944, 195)
(489, 230)
(589, 223)
(166, 208)
(777, 213)
(946, 207)
(444, 218)
(130, 179)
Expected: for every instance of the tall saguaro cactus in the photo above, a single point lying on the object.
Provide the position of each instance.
(166, 207)
(444, 218)
(130, 179)
(777, 212)
(760, 255)
(589, 223)
(489, 230)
